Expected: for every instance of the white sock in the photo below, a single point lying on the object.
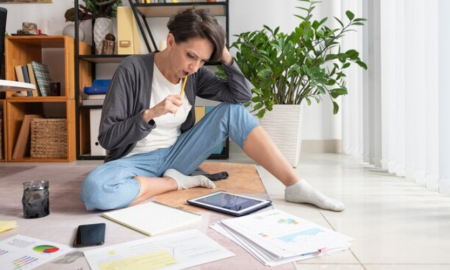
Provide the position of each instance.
(185, 182)
(302, 192)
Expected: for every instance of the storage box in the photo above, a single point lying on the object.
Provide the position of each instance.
(48, 138)
(96, 148)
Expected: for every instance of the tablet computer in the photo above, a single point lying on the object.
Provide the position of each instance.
(228, 203)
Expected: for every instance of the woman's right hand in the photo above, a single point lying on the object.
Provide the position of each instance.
(169, 105)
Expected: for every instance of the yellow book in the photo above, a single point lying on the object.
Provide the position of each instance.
(124, 35)
(20, 78)
(199, 113)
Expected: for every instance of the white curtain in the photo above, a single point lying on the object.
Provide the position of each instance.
(395, 114)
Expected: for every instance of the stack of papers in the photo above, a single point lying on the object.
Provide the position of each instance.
(7, 225)
(275, 237)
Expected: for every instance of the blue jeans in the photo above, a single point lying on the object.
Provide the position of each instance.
(112, 185)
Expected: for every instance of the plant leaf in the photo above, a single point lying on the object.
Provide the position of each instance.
(335, 108)
(257, 91)
(261, 113)
(308, 101)
(362, 64)
(339, 21)
(350, 15)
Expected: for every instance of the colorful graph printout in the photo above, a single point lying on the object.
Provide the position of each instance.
(23, 261)
(45, 249)
(284, 234)
(24, 253)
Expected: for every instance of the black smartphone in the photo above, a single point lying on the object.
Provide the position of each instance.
(90, 235)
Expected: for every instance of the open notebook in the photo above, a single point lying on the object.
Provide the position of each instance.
(152, 218)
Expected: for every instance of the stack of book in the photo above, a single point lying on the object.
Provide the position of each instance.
(96, 94)
(37, 74)
(275, 237)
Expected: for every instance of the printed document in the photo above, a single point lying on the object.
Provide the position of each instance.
(22, 252)
(172, 251)
(275, 237)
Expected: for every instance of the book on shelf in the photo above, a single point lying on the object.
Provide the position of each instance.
(20, 78)
(22, 146)
(43, 77)
(26, 79)
(33, 79)
(152, 218)
(96, 96)
(93, 102)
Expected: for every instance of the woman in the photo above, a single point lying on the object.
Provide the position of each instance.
(147, 126)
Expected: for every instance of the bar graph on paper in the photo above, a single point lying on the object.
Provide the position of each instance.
(23, 261)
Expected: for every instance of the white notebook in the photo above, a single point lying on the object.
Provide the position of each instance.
(152, 218)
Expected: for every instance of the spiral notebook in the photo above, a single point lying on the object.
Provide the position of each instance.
(152, 218)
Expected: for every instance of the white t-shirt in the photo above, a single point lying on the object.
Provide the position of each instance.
(167, 126)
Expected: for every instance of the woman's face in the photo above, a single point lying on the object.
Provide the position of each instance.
(187, 57)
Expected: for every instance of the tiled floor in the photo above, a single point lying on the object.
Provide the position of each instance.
(396, 225)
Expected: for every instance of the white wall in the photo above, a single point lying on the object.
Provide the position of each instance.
(319, 121)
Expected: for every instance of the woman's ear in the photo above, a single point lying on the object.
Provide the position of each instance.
(170, 41)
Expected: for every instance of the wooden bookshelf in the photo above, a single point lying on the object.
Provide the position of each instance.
(3, 131)
(21, 50)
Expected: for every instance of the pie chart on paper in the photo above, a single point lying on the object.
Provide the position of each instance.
(45, 249)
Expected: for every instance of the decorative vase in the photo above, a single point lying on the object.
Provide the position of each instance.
(102, 27)
(69, 30)
(283, 124)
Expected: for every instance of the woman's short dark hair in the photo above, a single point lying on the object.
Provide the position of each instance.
(198, 23)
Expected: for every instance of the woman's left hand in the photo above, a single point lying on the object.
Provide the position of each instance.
(226, 56)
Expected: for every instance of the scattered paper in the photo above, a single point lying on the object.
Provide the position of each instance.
(172, 251)
(275, 237)
(23, 252)
(7, 225)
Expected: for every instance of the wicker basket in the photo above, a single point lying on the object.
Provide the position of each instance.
(48, 138)
(1, 139)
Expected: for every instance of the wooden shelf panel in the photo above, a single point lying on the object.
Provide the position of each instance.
(167, 10)
(3, 142)
(101, 59)
(41, 41)
(38, 99)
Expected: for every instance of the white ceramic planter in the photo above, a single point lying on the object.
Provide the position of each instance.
(283, 124)
(102, 27)
(69, 30)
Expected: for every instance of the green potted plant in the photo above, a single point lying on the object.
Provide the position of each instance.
(100, 10)
(290, 68)
(94, 9)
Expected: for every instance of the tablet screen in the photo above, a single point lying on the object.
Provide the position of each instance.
(227, 201)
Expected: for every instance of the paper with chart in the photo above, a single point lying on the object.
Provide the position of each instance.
(262, 255)
(285, 235)
(23, 252)
(172, 251)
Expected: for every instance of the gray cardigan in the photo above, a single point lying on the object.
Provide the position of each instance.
(122, 125)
